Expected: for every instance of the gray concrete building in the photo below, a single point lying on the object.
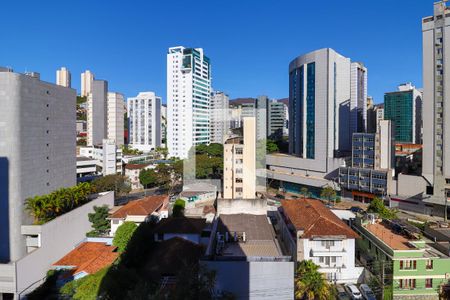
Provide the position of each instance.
(97, 109)
(219, 122)
(37, 150)
(276, 119)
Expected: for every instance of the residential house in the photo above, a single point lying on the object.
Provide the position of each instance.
(139, 211)
(418, 267)
(191, 229)
(132, 171)
(310, 231)
(87, 258)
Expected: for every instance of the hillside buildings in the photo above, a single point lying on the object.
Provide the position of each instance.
(219, 117)
(188, 99)
(144, 113)
(404, 109)
(86, 83)
(63, 77)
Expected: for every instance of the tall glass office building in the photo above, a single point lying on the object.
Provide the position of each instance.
(320, 92)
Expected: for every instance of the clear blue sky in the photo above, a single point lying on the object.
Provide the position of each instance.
(250, 43)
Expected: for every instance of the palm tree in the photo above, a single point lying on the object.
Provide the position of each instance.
(304, 191)
(310, 284)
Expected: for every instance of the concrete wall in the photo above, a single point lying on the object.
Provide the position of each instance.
(58, 237)
(239, 206)
(254, 280)
(96, 113)
(37, 146)
(410, 185)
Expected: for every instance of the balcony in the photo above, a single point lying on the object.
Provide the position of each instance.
(332, 251)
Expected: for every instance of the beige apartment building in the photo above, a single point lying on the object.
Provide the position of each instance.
(239, 175)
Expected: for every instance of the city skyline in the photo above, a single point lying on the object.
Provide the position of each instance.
(241, 67)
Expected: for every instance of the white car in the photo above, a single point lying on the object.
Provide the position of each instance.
(353, 291)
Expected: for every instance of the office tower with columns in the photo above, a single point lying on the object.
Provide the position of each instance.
(86, 83)
(188, 99)
(63, 77)
(97, 128)
(219, 119)
(144, 113)
(115, 117)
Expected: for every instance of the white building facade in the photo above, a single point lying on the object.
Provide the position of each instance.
(63, 77)
(86, 83)
(107, 155)
(188, 99)
(219, 117)
(115, 117)
(144, 113)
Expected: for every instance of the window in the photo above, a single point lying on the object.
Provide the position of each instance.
(408, 264)
(407, 284)
(429, 283)
(429, 265)
(327, 244)
(239, 190)
(239, 150)
(238, 180)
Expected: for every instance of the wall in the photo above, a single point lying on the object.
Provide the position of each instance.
(58, 237)
(237, 206)
(254, 280)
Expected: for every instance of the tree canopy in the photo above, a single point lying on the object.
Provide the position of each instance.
(328, 193)
(123, 235)
(271, 146)
(178, 208)
(114, 182)
(148, 178)
(377, 206)
(100, 224)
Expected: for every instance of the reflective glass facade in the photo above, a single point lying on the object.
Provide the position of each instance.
(310, 109)
(398, 107)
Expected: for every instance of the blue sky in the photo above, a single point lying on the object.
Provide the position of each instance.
(250, 43)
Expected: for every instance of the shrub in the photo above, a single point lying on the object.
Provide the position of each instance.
(178, 208)
(123, 235)
(100, 223)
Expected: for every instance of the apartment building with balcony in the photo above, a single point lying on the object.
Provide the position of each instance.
(108, 157)
(415, 266)
(310, 231)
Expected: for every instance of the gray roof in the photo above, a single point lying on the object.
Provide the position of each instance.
(256, 227)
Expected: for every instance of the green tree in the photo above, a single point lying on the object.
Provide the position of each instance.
(163, 152)
(123, 235)
(377, 206)
(215, 149)
(178, 208)
(148, 178)
(271, 146)
(100, 224)
(310, 284)
(328, 193)
(305, 192)
(114, 182)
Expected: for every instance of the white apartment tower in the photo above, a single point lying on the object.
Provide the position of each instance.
(239, 176)
(37, 151)
(188, 99)
(115, 117)
(144, 113)
(97, 113)
(436, 100)
(219, 117)
(358, 98)
(86, 83)
(63, 77)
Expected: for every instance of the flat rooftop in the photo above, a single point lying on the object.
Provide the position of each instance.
(254, 233)
(390, 238)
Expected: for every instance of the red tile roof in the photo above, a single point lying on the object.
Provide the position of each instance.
(141, 207)
(315, 219)
(88, 257)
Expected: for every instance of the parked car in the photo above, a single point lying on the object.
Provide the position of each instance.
(341, 293)
(367, 292)
(356, 209)
(353, 291)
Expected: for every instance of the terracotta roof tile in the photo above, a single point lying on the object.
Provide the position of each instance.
(315, 219)
(141, 207)
(88, 257)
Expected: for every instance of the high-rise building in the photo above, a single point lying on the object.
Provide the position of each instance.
(63, 77)
(144, 113)
(276, 119)
(115, 118)
(163, 125)
(436, 115)
(86, 83)
(404, 109)
(371, 116)
(37, 151)
(188, 99)
(97, 110)
(358, 98)
(239, 176)
(219, 122)
(320, 89)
